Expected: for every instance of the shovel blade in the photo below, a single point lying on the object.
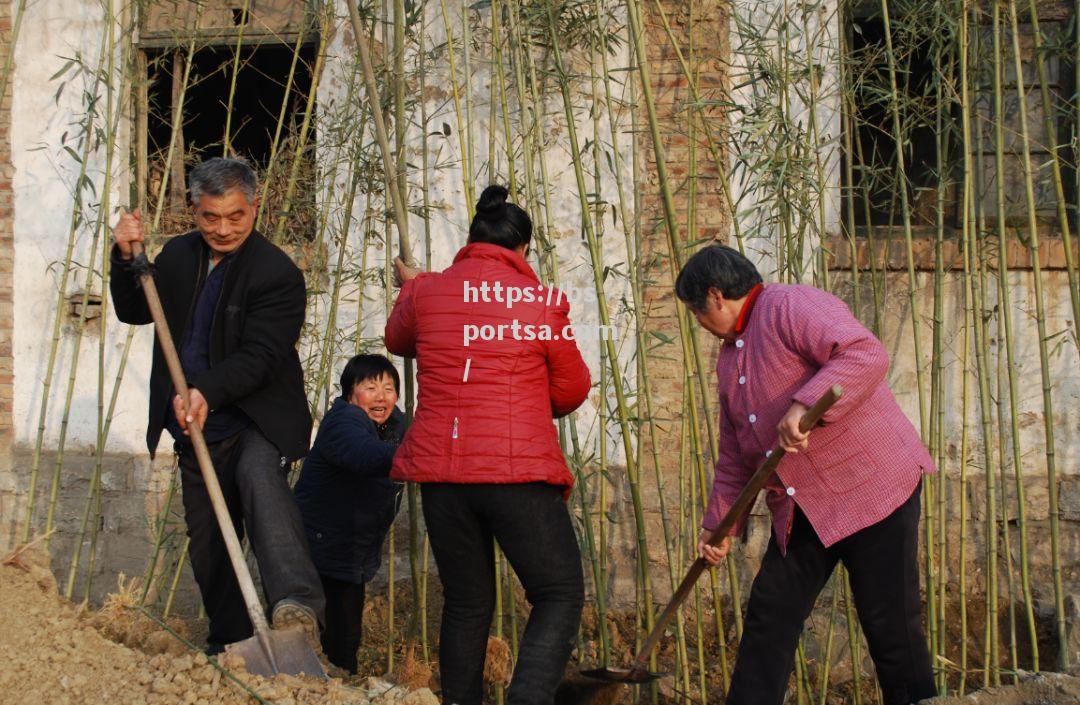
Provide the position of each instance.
(622, 675)
(292, 652)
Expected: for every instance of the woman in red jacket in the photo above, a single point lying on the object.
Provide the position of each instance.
(496, 362)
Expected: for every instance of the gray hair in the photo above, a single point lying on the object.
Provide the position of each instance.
(218, 176)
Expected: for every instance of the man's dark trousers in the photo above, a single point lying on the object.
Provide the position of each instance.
(253, 481)
(882, 562)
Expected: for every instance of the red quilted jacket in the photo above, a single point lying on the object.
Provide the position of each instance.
(496, 425)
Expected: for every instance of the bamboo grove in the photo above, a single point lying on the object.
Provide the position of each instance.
(917, 158)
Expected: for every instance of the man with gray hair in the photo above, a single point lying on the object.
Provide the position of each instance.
(235, 304)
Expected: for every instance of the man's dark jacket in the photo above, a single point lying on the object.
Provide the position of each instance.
(254, 365)
(345, 493)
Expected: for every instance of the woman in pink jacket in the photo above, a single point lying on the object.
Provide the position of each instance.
(851, 494)
(495, 365)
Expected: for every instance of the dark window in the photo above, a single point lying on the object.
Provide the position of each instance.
(257, 101)
(922, 61)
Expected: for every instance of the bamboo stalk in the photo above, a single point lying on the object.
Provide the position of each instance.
(401, 220)
(1040, 321)
(58, 315)
(227, 138)
(112, 116)
(905, 210)
(605, 319)
(9, 59)
(1074, 295)
(275, 143)
(463, 139)
(302, 135)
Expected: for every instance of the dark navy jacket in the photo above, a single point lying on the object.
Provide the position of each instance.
(345, 494)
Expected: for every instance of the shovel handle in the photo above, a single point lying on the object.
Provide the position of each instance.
(740, 506)
(202, 453)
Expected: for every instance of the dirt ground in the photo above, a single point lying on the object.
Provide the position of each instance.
(52, 651)
(1041, 689)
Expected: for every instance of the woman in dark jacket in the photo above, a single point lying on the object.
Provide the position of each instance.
(346, 496)
(485, 449)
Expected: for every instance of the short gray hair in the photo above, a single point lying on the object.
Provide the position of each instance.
(218, 176)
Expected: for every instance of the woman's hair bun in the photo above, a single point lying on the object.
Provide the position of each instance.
(492, 199)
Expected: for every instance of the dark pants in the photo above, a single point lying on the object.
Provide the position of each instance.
(253, 480)
(344, 621)
(533, 528)
(882, 561)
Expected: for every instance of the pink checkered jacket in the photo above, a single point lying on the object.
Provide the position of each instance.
(864, 460)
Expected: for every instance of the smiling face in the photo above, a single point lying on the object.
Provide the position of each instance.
(376, 396)
(225, 221)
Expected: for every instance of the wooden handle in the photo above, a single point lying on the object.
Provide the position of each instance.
(202, 453)
(738, 508)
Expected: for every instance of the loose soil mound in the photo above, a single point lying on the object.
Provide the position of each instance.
(1041, 689)
(51, 651)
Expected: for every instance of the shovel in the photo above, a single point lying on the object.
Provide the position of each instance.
(638, 671)
(268, 652)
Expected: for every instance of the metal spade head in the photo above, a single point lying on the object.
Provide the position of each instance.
(292, 654)
(636, 674)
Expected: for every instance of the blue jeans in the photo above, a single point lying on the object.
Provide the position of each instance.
(532, 525)
(253, 480)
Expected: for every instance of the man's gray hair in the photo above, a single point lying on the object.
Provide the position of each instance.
(218, 176)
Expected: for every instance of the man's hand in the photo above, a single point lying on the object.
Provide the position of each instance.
(712, 554)
(128, 229)
(403, 272)
(792, 440)
(195, 412)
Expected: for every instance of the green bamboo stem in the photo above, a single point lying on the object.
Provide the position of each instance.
(9, 58)
(825, 669)
(227, 138)
(285, 211)
(112, 116)
(499, 70)
(466, 65)
(876, 278)
(159, 540)
(175, 582)
(966, 225)
(1040, 321)
(59, 311)
(275, 143)
(1063, 223)
(401, 220)
(605, 319)
(1074, 295)
(905, 210)
(853, 635)
(455, 91)
(100, 453)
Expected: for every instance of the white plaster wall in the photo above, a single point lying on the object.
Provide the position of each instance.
(51, 33)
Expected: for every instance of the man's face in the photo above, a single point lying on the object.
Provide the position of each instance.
(376, 397)
(225, 221)
(715, 316)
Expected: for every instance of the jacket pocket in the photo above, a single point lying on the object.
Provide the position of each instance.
(840, 463)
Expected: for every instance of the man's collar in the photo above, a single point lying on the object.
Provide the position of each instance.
(747, 308)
